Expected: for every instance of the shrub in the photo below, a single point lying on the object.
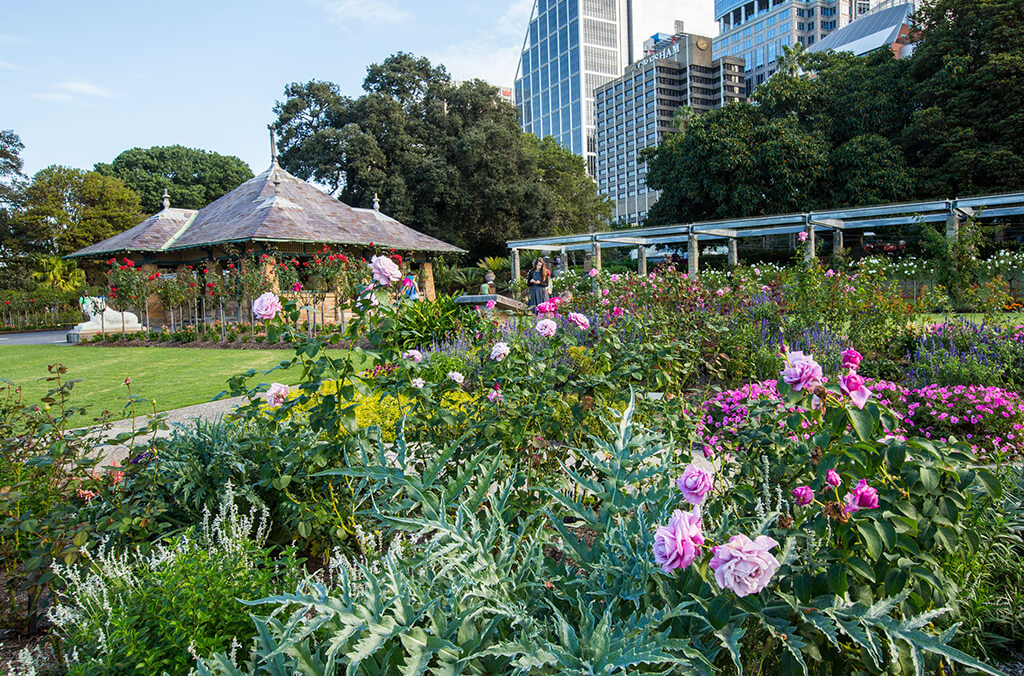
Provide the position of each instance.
(964, 353)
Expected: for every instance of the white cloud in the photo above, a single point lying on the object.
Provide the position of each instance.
(84, 89)
(55, 97)
(378, 11)
(7, 65)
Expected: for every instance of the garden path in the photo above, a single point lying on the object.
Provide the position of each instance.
(35, 338)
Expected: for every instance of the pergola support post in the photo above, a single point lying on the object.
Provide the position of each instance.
(693, 255)
(734, 254)
(429, 291)
(837, 242)
(641, 259)
(515, 266)
(953, 226)
(565, 260)
(809, 244)
(596, 262)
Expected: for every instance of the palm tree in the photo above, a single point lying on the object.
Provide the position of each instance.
(793, 59)
(683, 118)
(59, 274)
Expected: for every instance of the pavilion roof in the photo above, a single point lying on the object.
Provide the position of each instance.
(148, 236)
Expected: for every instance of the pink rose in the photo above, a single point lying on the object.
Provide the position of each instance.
(548, 307)
(500, 351)
(801, 371)
(546, 328)
(581, 322)
(456, 377)
(832, 478)
(677, 544)
(851, 359)
(617, 312)
(593, 272)
(495, 396)
(384, 270)
(297, 286)
(803, 495)
(694, 484)
(853, 385)
(491, 303)
(277, 394)
(861, 497)
(743, 565)
(615, 278)
(413, 355)
(802, 236)
(266, 306)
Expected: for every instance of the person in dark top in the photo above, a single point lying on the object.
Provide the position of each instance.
(537, 281)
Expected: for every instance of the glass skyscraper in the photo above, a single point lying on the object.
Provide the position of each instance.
(572, 47)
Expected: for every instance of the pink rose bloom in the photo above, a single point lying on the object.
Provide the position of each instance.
(266, 306)
(384, 270)
(500, 351)
(546, 328)
(277, 394)
(851, 359)
(617, 312)
(803, 495)
(801, 371)
(418, 382)
(677, 544)
(694, 484)
(832, 478)
(581, 322)
(406, 282)
(297, 286)
(456, 376)
(802, 236)
(548, 307)
(593, 272)
(861, 497)
(853, 385)
(495, 396)
(615, 278)
(743, 565)
(491, 303)
(604, 292)
(413, 355)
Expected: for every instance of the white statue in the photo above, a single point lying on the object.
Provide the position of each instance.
(102, 320)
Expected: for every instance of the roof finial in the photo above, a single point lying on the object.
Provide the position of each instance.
(376, 202)
(273, 144)
(167, 200)
(277, 181)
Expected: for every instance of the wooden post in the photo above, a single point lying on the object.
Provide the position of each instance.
(809, 244)
(641, 259)
(734, 254)
(428, 281)
(693, 256)
(268, 270)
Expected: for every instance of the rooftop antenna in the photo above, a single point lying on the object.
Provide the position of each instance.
(376, 202)
(167, 200)
(273, 145)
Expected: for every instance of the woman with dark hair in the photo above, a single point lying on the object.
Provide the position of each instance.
(538, 280)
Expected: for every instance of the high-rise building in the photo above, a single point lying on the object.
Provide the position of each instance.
(571, 48)
(635, 111)
(757, 30)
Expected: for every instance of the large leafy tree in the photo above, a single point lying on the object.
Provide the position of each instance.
(68, 209)
(193, 178)
(577, 204)
(448, 160)
(13, 266)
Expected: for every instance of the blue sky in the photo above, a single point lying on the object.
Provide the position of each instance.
(82, 81)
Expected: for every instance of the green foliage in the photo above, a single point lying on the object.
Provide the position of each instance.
(193, 178)
(578, 207)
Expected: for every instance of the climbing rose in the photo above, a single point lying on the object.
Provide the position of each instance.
(277, 394)
(384, 270)
(851, 359)
(456, 376)
(677, 544)
(801, 371)
(861, 497)
(267, 306)
(581, 322)
(546, 328)
(413, 355)
(853, 385)
(743, 565)
(803, 495)
(500, 351)
(832, 478)
(694, 484)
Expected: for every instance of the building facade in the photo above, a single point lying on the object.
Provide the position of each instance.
(635, 111)
(757, 30)
(571, 48)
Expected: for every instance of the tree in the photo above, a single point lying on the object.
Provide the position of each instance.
(68, 209)
(449, 161)
(193, 178)
(57, 273)
(577, 204)
(13, 267)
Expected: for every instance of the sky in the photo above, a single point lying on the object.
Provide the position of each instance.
(82, 81)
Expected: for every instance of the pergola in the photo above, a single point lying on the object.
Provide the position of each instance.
(837, 221)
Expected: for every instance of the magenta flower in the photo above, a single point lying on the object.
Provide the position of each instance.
(802, 236)
(384, 270)
(495, 396)
(744, 566)
(801, 371)
(593, 272)
(853, 385)
(694, 484)
(581, 321)
(546, 328)
(296, 287)
(491, 303)
(267, 306)
(851, 359)
(617, 312)
(413, 355)
(548, 307)
(861, 497)
(277, 394)
(803, 495)
(677, 544)
(832, 478)
(615, 278)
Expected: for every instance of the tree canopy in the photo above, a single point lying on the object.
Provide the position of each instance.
(949, 121)
(193, 178)
(448, 160)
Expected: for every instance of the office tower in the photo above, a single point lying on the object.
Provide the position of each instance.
(757, 30)
(635, 111)
(571, 48)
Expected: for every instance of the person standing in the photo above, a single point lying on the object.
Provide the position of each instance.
(538, 283)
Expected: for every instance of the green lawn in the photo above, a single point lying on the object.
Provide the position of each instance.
(1003, 318)
(174, 377)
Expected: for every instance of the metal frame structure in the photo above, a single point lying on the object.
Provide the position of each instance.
(837, 221)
